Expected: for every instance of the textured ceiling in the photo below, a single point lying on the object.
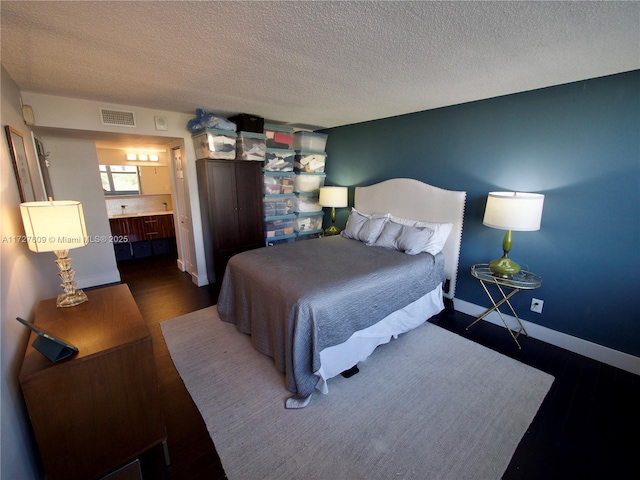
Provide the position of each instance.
(317, 63)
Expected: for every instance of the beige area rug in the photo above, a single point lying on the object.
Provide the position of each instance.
(429, 405)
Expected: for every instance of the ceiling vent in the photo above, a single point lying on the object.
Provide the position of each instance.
(117, 118)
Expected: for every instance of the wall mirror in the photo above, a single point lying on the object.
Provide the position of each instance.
(20, 164)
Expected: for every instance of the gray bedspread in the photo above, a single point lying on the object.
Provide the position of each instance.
(298, 298)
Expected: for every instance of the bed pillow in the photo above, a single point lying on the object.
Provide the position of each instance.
(413, 240)
(387, 238)
(363, 227)
(407, 239)
(436, 242)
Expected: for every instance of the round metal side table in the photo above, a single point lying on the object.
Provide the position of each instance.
(522, 280)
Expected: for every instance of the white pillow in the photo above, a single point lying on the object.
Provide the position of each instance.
(363, 227)
(436, 242)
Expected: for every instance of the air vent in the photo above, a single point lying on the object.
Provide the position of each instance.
(117, 117)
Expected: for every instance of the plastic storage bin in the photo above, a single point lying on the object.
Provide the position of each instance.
(311, 141)
(307, 182)
(213, 143)
(277, 160)
(306, 222)
(276, 183)
(278, 205)
(250, 146)
(308, 235)
(280, 240)
(306, 202)
(279, 136)
(309, 161)
(278, 226)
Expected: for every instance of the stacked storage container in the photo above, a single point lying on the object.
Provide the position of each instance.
(278, 136)
(279, 220)
(309, 165)
(251, 146)
(310, 141)
(215, 143)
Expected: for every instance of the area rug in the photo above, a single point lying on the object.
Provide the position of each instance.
(428, 405)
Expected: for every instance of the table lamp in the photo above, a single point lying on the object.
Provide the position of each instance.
(57, 226)
(333, 197)
(511, 211)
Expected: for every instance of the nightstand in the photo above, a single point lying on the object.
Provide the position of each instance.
(522, 280)
(97, 410)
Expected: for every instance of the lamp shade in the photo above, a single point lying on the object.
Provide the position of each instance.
(514, 211)
(333, 196)
(54, 225)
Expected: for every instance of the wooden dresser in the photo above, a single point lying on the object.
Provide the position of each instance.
(97, 410)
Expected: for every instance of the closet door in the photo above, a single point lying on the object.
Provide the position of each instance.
(223, 206)
(249, 203)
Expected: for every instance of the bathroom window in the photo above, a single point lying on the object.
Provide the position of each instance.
(120, 179)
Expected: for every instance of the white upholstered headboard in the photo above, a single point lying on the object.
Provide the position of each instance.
(409, 198)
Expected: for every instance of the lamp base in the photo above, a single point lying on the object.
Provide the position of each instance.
(71, 299)
(504, 267)
(332, 230)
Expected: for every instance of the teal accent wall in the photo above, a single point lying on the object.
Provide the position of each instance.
(578, 144)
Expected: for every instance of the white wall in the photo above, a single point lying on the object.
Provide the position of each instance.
(25, 279)
(75, 175)
(76, 114)
(155, 180)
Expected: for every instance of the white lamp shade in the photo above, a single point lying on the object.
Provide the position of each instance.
(54, 225)
(333, 196)
(514, 211)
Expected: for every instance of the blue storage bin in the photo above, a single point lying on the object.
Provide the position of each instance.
(309, 161)
(277, 160)
(270, 242)
(279, 225)
(278, 205)
(311, 141)
(308, 182)
(215, 143)
(307, 202)
(309, 235)
(279, 136)
(251, 146)
(276, 183)
(308, 221)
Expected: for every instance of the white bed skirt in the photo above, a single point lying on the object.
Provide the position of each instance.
(361, 344)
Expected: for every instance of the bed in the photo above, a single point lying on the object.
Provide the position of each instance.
(318, 307)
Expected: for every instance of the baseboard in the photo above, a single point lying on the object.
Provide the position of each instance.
(199, 280)
(98, 280)
(577, 345)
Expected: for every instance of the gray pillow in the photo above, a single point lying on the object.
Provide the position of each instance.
(407, 239)
(413, 240)
(363, 228)
(387, 238)
(440, 232)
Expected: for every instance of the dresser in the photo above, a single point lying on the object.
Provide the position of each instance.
(100, 408)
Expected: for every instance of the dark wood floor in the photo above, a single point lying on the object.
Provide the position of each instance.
(163, 292)
(588, 427)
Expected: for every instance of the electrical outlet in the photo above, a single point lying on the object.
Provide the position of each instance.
(536, 305)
